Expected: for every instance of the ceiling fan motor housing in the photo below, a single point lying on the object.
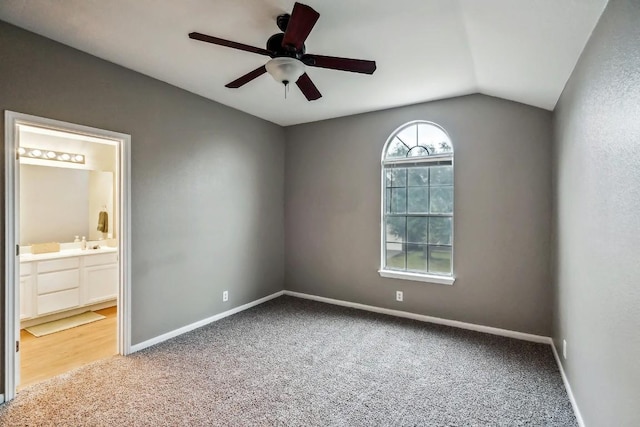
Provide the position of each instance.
(282, 21)
(274, 44)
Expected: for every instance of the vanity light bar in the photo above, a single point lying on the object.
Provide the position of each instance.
(60, 156)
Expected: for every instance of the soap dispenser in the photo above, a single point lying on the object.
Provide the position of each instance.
(83, 244)
(77, 239)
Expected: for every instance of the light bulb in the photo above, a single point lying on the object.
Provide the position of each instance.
(35, 153)
(51, 154)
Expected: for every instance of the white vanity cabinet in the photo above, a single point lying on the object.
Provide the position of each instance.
(57, 285)
(66, 280)
(26, 291)
(100, 278)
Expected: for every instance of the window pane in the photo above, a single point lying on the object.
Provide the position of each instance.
(417, 257)
(443, 147)
(409, 135)
(418, 176)
(396, 149)
(395, 228)
(418, 151)
(417, 229)
(395, 256)
(418, 200)
(387, 200)
(396, 177)
(440, 231)
(430, 134)
(440, 259)
(442, 199)
(398, 200)
(442, 175)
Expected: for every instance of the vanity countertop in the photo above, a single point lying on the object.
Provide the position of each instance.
(65, 253)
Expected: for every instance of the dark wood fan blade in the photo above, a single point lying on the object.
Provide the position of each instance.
(247, 78)
(309, 90)
(343, 64)
(228, 43)
(302, 20)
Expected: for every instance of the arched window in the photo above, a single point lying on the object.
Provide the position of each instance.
(417, 204)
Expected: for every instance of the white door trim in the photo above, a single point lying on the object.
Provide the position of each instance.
(11, 303)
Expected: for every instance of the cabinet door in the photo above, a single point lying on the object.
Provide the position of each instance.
(58, 301)
(101, 283)
(26, 297)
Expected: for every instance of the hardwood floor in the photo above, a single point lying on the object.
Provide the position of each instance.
(51, 355)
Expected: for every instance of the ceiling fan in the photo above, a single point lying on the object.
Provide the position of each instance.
(288, 53)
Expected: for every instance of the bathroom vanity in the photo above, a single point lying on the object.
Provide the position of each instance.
(69, 280)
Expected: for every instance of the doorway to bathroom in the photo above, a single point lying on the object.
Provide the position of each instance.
(67, 247)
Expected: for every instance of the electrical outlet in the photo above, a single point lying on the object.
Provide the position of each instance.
(399, 296)
(564, 349)
(225, 296)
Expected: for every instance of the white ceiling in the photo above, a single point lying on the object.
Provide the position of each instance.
(522, 50)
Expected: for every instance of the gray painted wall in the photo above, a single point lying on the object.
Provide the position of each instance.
(207, 180)
(502, 212)
(597, 221)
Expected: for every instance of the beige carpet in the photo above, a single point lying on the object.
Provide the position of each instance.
(63, 324)
(291, 362)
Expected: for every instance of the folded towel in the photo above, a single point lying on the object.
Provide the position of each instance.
(103, 222)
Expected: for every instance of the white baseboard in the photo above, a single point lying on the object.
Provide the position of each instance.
(203, 322)
(421, 317)
(567, 386)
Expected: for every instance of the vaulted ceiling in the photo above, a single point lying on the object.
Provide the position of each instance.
(521, 50)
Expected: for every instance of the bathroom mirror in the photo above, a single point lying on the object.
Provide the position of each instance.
(59, 203)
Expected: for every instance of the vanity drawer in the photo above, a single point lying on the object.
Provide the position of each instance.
(25, 268)
(100, 259)
(58, 281)
(57, 301)
(58, 264)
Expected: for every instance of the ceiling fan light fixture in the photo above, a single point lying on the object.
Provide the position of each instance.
(285, 70)
(286, 49)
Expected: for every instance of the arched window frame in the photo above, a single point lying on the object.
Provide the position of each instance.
(428, 156)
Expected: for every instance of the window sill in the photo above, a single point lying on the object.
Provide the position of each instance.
(405, 275)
